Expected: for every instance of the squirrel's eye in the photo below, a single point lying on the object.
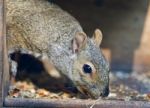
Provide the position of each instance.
(87, 68)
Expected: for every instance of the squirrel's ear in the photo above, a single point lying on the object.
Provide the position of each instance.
(79, 41)
(97, 36)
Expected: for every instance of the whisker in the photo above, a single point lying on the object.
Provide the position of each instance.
(95, 102)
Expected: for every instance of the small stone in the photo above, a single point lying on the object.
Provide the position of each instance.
(54, 96)
(65, 95)
(42, 92)
(32, 91)
(148, 95)
(26, 94)
(127, 98)
(112, 95)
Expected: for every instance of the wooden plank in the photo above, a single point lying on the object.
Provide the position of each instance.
(1, 48)
(4, 67)
(74, 103)
(142, 54)
(6, 75)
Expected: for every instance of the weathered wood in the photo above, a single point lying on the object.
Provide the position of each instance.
(6, 77)
(1, 48)
(74, 103)
(4, 68)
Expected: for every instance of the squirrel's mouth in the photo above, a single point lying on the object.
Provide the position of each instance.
(86, 92)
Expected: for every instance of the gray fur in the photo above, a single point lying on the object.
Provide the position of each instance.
(43, 27)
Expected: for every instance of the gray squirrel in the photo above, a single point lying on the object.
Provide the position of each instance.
(38, 27)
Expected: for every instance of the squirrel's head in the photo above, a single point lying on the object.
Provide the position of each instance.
(83, 62)
(90, 68)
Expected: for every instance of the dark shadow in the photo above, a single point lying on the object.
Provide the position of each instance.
(31, 69)
(121, 22)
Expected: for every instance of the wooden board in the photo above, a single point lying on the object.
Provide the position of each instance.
(4, 68)
(1, 47)
(75, 103)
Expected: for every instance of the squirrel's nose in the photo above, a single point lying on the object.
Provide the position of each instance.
(106, 92)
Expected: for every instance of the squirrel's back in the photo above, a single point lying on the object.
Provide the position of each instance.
(34, 24)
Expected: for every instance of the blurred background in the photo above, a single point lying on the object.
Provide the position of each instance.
(125, 25)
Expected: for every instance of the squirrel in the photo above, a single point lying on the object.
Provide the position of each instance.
(44, 28)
